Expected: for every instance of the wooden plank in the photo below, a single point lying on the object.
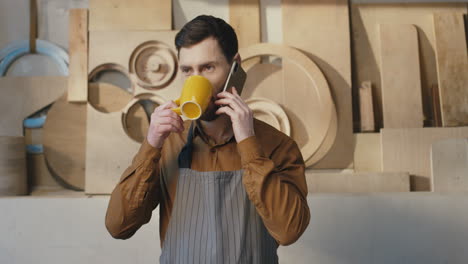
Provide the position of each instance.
(365, 38)
(130, 15)
(366, 107)
(401, 84)
(13, 179)
(408, 149)
(449, 164)
(452, 67)
(108, 47)
(64, 142)
(325, 37)
(23, 96)
(244, 17)
(370, 182)
(78, 52)
(367, 152)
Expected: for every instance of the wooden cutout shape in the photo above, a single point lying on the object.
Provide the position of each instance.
(64, 140)
(449, 164)
(78, 52)
(325, 38)
(23, 96)
(303, 119)
(401, 77)
(270, 113)
(452, 68)
(107, 47)
(409, 149)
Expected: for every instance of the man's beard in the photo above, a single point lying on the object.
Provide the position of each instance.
(210, 112)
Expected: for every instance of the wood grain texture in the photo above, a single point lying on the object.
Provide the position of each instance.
(452, 68)
(13, 179)
(64, 140)
(130, 15)
(321, 29)
(366, 107)
(78, 52)
(370, 182)
(365, 37)
(107, 98)
(23, 96)
(449, 164)
(409, 149)
(400, 75)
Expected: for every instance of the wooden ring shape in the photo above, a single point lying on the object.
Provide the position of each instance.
(271, 113)
(154, 65)
(317, 124)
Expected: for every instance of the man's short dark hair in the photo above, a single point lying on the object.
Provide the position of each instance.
(203, 27)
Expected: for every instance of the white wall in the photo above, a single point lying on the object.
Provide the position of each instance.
(344, 229)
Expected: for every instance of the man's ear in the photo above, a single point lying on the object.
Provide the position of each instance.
(237, 58)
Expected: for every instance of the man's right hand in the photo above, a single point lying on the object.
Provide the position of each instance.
(163, 122)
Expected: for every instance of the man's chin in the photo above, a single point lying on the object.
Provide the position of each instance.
(209, 116)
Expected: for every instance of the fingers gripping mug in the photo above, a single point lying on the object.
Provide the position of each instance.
(195, 97)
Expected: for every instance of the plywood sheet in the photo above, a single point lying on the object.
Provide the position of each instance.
(130, 15)
(449, 164)
(400, 74)
(78, 52)
(244, 17)
(409, 149)
(321, 29)
(22, 96)
(109, 151)
(367, 152)
(13, 179)
(364, 182)
(452, 67)
(365, 37)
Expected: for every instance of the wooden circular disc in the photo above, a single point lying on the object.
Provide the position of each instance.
(64, 140)
(305, 95)
(107, 98)
(153, 64)
(270, 113)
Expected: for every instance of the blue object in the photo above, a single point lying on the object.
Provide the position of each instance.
(35, 149)
(36, 122)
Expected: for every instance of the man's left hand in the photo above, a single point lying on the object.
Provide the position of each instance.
(241, 115)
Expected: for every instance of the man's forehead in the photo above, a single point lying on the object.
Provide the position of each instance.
(201, 53)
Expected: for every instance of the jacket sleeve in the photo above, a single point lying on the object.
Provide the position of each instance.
(136, 195)
(277, 187)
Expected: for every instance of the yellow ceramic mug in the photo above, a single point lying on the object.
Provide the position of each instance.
(195, 97)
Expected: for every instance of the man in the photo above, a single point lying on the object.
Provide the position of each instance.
(230, 188)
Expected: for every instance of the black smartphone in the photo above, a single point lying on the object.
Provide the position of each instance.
(236, 78)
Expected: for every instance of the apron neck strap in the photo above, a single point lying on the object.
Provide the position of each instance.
(185, 155)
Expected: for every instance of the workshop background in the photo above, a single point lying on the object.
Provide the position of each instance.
(375, 93)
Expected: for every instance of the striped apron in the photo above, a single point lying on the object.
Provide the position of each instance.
(213, 221)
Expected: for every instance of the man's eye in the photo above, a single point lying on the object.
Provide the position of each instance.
(209, 68)
(185, 70)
